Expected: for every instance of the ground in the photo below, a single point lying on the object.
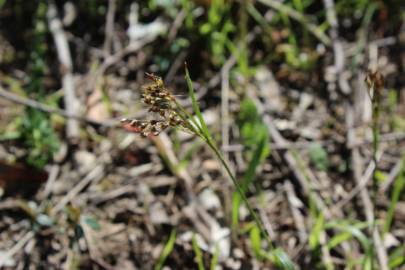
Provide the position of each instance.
(305, 101)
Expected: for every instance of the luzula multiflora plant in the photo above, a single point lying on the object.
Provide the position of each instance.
(170, 113)
(375, 86)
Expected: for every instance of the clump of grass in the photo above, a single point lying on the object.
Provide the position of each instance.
(171, 114)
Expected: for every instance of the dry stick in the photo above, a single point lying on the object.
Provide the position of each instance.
(49, 109)
(19, 245)
(394, 136)
(175, 66)
(118, 56)
(266, 223)
(296, 214)
(93, 251)
(392, 175)
(364, 180)
(301, 18)
(177, 23)
(305, 177)
(165, 148)
(364, 195)
(94, 175)
(53, 174)
(65, 59)
(109, 27)
(337, 46)
(298, 173)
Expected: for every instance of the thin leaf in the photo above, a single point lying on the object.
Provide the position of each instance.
(198, 253)
(399, 185)
(314, 237)
(282, 260)
(354, 230)
(255, 240)
(338, 239)
(247, 179)
(196, 108)
(277, 256)
(214, 260)
(235, 210)
(166, 250)
(397, 257)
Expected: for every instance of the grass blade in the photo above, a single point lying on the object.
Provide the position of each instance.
(214, 260)
(314, 237)
(247, 179)
(166, 250)
(354, 230)
(196, 108)
(198, 253)
(396, 193)
(255, 241)
(282, 260)
(397, 257)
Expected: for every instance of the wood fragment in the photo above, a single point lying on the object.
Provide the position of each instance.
(62, 48)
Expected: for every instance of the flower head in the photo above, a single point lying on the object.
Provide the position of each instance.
(160, 101)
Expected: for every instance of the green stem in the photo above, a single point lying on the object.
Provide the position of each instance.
(375, 130)
(241, 193)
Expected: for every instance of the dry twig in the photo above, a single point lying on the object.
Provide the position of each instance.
(62, 48)
(109, 27)
(46, 108)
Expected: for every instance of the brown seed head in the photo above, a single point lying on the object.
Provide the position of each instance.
(375, 83)
(159, 100)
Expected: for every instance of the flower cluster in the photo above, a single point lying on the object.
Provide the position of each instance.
(375, 84)
(160, 101)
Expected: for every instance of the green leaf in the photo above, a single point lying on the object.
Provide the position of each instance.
(319, 156)
(338, 239)
(93, 223)
(399, 185)
(202, 125)
(247, 179)
(255, 239)
(314, 237)
(282, 260)
(353, 229)
(235, 210)
(277, 256)
(214, 260)
(397, 257)
(205, 28)
(252, 128)
(380, 176)
(2, 2)
(166, 250)
(198, 253)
